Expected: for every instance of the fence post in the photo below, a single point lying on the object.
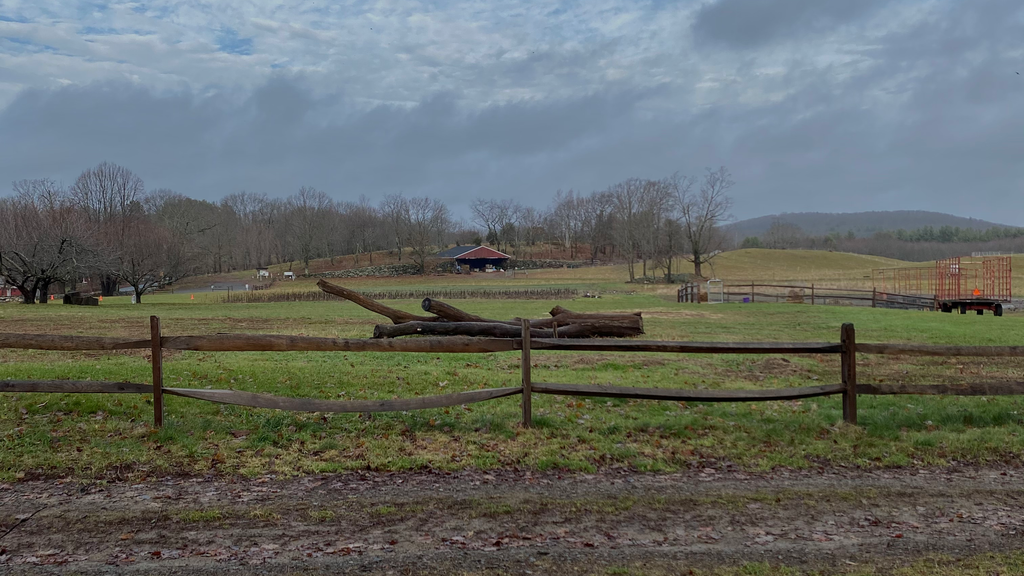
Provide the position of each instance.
(527, 384)
(158, 372)
(751, 293)
(812, 294)
(874, 297)
(848, 341)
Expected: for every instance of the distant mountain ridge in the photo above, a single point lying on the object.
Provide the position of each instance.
(862, 224)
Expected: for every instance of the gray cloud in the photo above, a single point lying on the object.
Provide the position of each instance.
(927, 114)
(753, 23)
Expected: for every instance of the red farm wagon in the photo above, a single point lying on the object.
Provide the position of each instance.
(976, 283)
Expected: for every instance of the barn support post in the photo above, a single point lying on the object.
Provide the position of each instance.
(848, 367)
(158, 372)
(527, 382)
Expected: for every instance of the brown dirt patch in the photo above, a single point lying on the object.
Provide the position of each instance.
(508, 521)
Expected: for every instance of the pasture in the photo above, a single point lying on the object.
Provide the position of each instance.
(826, 269)
(97, 436)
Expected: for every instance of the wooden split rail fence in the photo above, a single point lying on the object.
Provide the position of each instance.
(803, 294)
(847, 349)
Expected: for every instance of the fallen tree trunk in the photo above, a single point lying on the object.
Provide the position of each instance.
(395, 315)
(632, 324)
(451, 321)
(499, 330)
(453, 314)
(566, 313)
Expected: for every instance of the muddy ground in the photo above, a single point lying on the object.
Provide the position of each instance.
(508, 522)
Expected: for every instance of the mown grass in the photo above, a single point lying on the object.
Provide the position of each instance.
(111, 436)
(802, 267)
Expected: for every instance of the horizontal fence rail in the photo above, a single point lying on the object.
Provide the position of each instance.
(803, 294)
(687, 395)
(75, 386)
(847, 348)
(242, 297)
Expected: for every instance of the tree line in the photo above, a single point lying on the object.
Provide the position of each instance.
(108, 228)
(919, 244)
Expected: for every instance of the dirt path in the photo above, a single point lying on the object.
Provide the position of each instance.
(507, 522)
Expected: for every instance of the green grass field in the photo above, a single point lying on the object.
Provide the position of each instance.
(804, 267)
(111, 436)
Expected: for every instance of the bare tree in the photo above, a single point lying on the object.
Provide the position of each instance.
(701, 213)
(656, 202)
(366, 229)
(627, 196)
(187, 225)
(255, 215)
(425, 221)
(111, 197)
(567, 219)
(142, 258)
(670, 244)
(597, 222)
(500, 218)
(43, 239)
(308, 209)
(782, 235)
(394, 208)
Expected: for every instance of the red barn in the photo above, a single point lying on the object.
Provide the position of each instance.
(476, 257)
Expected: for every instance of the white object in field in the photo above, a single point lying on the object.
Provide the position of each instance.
(713, 285)
(289, 275)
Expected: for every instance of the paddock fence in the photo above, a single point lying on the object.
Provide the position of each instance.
(802, 294)
(240, 297)
(847, 386)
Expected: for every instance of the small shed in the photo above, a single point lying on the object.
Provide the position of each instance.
(476, 257)
(8, 290)
(263, 273)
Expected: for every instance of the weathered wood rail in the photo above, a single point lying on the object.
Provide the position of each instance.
(808, 294)
(847, 349)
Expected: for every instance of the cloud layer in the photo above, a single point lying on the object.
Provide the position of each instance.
(814, 105)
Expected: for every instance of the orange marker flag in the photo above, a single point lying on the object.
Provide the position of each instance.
(101, 298)
(977, 292)
(193, 297)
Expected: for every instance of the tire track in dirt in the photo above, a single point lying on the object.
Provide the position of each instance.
(508, 521)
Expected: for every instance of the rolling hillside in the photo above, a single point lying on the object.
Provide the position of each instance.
(861, 223)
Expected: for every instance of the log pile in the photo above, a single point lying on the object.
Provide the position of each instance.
(447, 320)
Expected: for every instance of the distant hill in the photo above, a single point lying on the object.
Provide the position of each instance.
(863, 224)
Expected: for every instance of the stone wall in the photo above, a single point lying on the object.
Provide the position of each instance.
(534, 264)
(387, 270)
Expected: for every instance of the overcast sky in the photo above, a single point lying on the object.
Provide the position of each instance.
(814, 105)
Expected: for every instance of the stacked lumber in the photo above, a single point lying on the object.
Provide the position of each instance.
(447, 320)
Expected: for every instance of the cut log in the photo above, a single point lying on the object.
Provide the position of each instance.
(453, 314)
(499, 330)
(396, 316)
(566, 313)
(487, 329)
(629, 324)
